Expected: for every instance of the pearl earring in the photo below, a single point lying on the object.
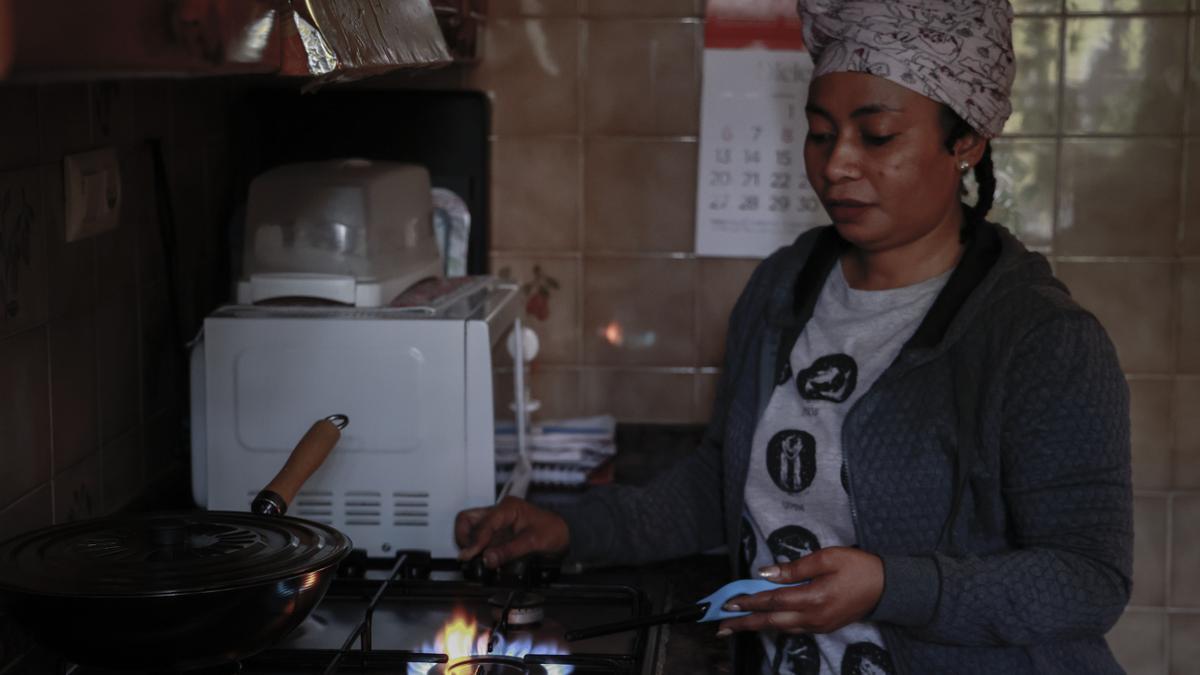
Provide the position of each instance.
(963, 165)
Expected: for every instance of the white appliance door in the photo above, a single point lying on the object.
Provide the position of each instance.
(400, 472)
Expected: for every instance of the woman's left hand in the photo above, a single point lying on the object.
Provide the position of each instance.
(845, 586)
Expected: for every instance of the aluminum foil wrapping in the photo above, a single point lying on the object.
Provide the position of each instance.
(225, 31)
(349, 39)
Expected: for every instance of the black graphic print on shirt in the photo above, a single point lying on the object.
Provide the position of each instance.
(792, 459)
(749, 544)
(829, 378)
(792, 542)
(866, 658)
(799, 653)
(784, 374)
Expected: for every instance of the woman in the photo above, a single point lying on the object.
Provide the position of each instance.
(913, 414)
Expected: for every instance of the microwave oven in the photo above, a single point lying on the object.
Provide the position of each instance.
(416, 383)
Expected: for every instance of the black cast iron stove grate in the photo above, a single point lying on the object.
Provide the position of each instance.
(408, 598)
(378, 616)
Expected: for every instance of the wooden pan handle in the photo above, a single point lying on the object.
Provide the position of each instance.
(305, 459)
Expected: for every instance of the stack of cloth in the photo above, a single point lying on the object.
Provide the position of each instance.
(564, 453)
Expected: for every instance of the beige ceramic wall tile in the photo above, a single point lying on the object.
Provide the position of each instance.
(643, 78)
(24, 293)
(71, 267)
(556, 388)
(640, 195)
(25, 414)
(1191, 190)
(1118, 197)
(508, 8)
(643, 8)
(639, 312)
(18, 127)
(78, 491)
(639, 395)
(706, 395)
(73, 392)
(1124, 75)
(1189, 318)
(530, 70)
(1149, 551)
(552, 291)
(1185, 648)
(124, 470)
(35, 510)
(1150, 402)
(1037, 6)
(64, 120)
(1185, 466)
(1084, 6)
(1139, 642)
(1025, 189)
(535, 194)
(1117, 293)
(721, 283)
(1185, 580)
(1037, 43)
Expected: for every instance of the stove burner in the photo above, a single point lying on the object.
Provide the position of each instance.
(526, 609)
(489, 665)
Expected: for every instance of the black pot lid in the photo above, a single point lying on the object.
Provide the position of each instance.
(167, 554)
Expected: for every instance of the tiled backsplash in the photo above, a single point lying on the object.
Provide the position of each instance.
(89, 338)
(594, 154)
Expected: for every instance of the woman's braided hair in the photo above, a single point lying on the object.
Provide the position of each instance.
(985, 175)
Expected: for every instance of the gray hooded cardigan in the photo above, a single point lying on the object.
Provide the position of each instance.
(989, 465)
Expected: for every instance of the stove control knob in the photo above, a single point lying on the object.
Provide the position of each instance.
(474, 570)
(516, 571)
(417, 564)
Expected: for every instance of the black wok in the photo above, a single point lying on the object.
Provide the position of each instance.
(177, 591)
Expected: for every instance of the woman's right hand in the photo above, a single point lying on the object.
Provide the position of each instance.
(510, 529)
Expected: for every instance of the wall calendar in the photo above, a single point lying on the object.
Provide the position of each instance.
(752, 194)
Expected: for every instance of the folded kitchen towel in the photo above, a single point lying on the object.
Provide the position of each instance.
(562, 452)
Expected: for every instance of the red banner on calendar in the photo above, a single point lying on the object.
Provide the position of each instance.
(753, 24)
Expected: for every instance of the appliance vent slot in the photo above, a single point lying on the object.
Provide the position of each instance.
(363, 507)
(316, 505)
(410, 509)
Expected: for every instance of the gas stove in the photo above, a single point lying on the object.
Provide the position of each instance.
(419, 615)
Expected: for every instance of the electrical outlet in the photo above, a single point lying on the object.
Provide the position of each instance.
(92, 185)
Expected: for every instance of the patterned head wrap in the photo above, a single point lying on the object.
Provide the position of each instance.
(957, 52)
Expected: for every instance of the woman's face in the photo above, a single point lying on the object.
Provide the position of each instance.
(876, 156)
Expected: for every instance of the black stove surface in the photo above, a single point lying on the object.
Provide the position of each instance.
(430, 624)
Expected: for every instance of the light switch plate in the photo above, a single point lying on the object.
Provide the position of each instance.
(92, 186)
